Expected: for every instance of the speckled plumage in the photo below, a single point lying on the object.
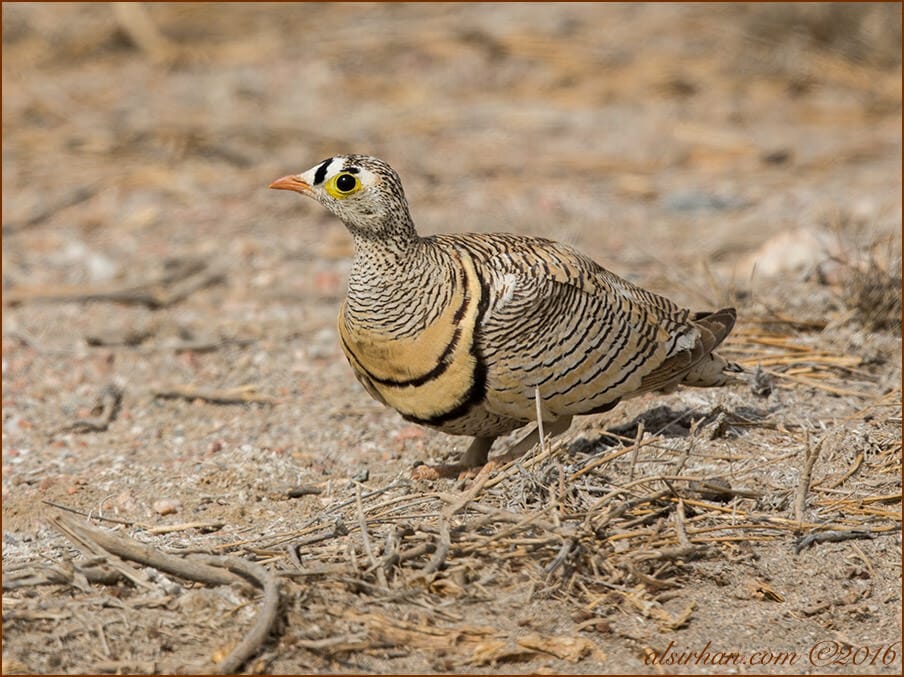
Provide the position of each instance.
(458, 332)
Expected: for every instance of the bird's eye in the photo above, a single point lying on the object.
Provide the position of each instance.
(343, 185)
(346, 183)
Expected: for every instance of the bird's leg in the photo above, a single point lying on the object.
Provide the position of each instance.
(527, 443)
(478, 451)
(474, 458)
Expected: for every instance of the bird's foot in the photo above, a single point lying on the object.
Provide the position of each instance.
(459, 471)
(472, 462)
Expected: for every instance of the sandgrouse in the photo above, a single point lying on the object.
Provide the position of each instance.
(462, 333)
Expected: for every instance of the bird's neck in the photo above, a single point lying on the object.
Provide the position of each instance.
(380, 254)
(390, 280)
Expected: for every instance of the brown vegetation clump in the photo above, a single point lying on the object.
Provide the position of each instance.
(873, 293)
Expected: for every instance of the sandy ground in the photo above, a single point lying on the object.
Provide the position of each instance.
(171, 373)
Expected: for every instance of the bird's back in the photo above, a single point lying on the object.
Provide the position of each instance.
(556, 321)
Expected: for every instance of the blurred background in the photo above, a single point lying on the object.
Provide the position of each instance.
(636, 131)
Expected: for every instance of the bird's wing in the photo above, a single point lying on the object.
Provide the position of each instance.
(558, 322)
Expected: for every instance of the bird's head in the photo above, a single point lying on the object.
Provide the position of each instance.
(363, 191)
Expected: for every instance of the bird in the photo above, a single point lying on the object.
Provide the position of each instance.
(480, 334)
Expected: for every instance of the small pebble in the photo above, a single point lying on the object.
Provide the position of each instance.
(328, 283)
(581, 615)
(410, 432)
(167, 506)
(779, 156)
(303, 490)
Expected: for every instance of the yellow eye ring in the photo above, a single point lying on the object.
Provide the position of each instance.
(342, 185)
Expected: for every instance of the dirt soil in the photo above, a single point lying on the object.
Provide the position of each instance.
(171, 373)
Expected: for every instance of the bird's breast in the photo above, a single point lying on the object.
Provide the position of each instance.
(432, 374)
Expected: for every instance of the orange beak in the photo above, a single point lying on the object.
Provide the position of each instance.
(292, 182)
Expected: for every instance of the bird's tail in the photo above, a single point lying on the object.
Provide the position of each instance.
(698, 366)
(713, 370)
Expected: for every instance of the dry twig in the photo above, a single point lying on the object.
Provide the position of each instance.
(241, 395)
(266, 616)
(95, 540)
(803, 487)
(107, 407)
(181, 279)
(203, 569)
(809, 540)
(68, 199)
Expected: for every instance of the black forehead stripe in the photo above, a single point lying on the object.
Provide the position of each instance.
(320, 174)
(352, 170)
